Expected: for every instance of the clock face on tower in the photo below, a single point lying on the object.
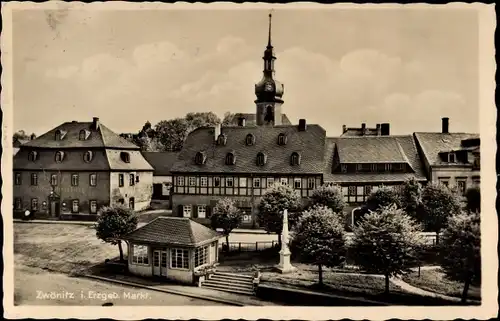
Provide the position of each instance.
(269, 86)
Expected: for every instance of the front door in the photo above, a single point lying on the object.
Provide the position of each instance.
(157, 191)
(160, 263)
(54, 208)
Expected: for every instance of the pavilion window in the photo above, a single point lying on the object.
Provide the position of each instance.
(201, 256)
(140, 254)
(179, 259)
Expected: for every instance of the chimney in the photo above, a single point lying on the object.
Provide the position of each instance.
(385, 129)
(95, 123)
(33, 136)
(217, 131)
(302, 125)
(344, 128)
(241, 121)
(379, 133)
(445, 125)
(363, 128)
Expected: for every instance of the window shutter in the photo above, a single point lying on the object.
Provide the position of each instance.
(180, 210)
(195, 211)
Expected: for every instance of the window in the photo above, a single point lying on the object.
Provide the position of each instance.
(18, 203)
(200, 256)
(82, 135)
(202, 211)
(400, 167)
(87, 157)
(179, 259)
(140, 254)
(311, 183)
(270, 182)
(284, 181)
(192, 181)
(53, 179)
(444, 181)
(17, 179)
(250, 140)
(451, 157)
(247, 218)
(230, 159)
(58, 135)
(121, 179)
(368, 190)
(93, 207)
(256, 182)
(59, 157)
(352, 190)
(34, 179)
(93, 180)
(343, 168)
(75, 206)
(34, 204)
(137, 178)
(216, 181)
(261, 159)
(295, 159)
(180, 180)
(131, 202)
(373, 167)
(33, 156)
(229, 182)
(74, 180)
(125, 157)
(200, 158)
(359, 167)
(282, 139)
(243, 182)
(203, 181)
(388, 167)
(297, 183)
(131, 179)
(186, 211)
(221, 140)
(461, 186)
(121, 201)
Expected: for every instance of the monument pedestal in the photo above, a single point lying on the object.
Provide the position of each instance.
(285, 266)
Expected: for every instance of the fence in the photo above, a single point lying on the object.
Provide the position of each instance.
(249, 246)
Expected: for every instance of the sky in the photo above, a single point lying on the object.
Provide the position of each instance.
(406, 67)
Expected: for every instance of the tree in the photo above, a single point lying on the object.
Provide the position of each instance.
(113, 222)
(228, 119)
(225, 216)
(461, 249)
(384, 196)
(319, 238)
(386, 241)
(275, 200)
(329, 196)
(439, 203)
(473, 196)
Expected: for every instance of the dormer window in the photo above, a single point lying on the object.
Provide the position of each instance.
(84, 134)
(250, 140)
(451, 158)
(295, 159)
(221, 140)
(125, 157)
(59, 157)
(282, 139)
(388, 167)
(230, 159)
(261, 159)
(200, 158)
(33, 156)
(87, 157)
(58, 135)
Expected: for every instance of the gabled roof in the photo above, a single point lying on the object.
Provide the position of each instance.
(251, 119)
(162, 162)
(309, 144)
(369, 149)
(180, 231)
(432, 144)
(100, 137)
(18, 142)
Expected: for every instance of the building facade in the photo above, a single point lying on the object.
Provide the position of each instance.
(162, 162)
(78, 167)
(452, 159)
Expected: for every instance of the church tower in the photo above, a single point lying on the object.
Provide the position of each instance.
(269, 91)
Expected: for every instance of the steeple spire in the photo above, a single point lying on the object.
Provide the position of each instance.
(269, 39)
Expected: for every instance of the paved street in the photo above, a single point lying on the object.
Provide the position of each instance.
(35, 286)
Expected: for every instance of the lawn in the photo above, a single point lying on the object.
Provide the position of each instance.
(64, 248)
(435, 281)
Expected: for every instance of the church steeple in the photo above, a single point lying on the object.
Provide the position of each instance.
(269, 91)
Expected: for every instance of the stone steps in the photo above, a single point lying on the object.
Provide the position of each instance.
(229, 282)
